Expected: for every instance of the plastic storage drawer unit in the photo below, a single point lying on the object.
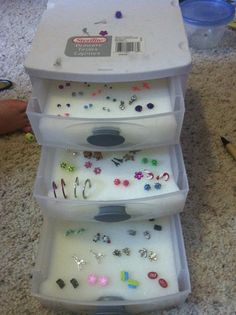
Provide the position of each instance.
(129, 185)
(107, 105)
(130, 274)
(117, 116)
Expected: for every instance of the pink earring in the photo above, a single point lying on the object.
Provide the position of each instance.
(103, 281)
(117, 181)
(126, 182)
(92, 279)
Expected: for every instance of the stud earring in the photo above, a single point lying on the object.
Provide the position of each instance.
(88, 164)
(138, 175)
(152, 275)
(150, 106)
(138, 108)
(117, 253)
(147, 235)
(103, 281)
(60, 283)
(97, 256)
(132, 99)
(88, 106)
(163, 283)
(145, 160)
(124, 275)
(106, 239)
(152, 256)
(98, 155)
(147, 187)
(103, 33)
(126, 183)
(122, 105)
(74, 282)
(92, 279)
(97, 237)
(80, 262)
(117, 181)
(131, 232)
(157, 186)
(97, 170)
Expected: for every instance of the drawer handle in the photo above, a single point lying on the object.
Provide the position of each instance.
(106, 137)
(111, 310)
(112, 214)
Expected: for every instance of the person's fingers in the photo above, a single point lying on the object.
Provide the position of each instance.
(22, 105)
(27, 129)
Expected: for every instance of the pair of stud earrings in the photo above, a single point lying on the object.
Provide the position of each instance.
(67, 166)
(148, 187)
(97, 170)
(62, 284)
(146, 234)
(144, 253)
(139, 108)
(93, 279)
(101, 237)
(117, 252)
(117, 182)
(132, 284)
(88, 106)
(153, 162)
(162, 282)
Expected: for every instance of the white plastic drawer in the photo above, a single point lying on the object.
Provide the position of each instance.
(105, 200)
(59, 250)
(104, 126)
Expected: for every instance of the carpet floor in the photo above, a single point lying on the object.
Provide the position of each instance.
(208, 219)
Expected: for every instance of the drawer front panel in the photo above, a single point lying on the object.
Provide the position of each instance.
(119, 192)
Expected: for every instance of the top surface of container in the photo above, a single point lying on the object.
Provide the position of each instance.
(147, 42)
(207, 12)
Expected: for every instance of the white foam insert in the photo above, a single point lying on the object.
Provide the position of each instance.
(103, 187)
(157, 93)
(61, 264)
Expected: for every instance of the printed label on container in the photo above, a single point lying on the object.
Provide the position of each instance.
(89, 46)
(124, 45)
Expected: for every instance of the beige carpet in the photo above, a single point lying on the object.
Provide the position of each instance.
(209, 217)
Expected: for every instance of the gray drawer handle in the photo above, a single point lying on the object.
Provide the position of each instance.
(111, 310)
(112, 214)
(106, 137)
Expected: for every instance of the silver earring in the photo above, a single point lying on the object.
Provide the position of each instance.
(86, 183)
(76, 184)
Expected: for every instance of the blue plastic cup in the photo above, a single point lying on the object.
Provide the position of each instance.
(205, 21)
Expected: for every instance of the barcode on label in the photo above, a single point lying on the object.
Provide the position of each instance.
(126, 47)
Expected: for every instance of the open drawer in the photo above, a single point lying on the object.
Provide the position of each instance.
(130, 185)
(102, 116)
(130, 274)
